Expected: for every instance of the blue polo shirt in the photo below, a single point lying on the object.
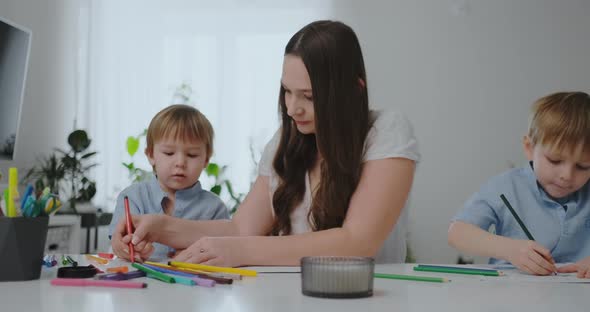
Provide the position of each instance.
(562, 226)
(147, 197)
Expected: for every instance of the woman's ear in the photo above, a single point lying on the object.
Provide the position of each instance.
(528, 147)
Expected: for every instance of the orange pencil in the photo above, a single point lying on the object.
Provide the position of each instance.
(129, 227)
(120, 269)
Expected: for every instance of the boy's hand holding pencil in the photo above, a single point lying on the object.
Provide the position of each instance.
(122, 237)
(121, 240)
(530, 256)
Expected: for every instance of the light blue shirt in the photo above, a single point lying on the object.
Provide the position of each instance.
(563, 227)
(147, 197)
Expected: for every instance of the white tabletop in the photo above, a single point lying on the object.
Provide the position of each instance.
(282, 292)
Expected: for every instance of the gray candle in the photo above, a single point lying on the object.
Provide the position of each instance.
(337, 277)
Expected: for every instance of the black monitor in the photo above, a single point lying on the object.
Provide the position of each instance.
(15, 45)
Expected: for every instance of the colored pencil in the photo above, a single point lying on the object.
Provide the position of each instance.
(99, 283)
(119, 269)
(458, 271)
(456, 267)
(522, 226)
(129, 224)
(200, 274)
(122, 276)
(210, 268)
(412, 278)
(97, 259)
(153, 273)
(224, 276)
(515, 215)
(106, 255)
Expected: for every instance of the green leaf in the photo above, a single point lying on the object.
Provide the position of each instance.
(212, 170)
(132, 145)
(88, 155)
(216, 189)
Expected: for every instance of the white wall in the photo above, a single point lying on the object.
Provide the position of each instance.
(48, 108)
(466, 73)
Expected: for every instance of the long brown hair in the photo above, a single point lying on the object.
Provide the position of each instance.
(332, 56)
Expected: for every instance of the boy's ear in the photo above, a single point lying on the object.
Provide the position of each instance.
(528, 146)
(150, 156)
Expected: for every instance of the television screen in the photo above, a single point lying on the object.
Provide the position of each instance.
(14, 54)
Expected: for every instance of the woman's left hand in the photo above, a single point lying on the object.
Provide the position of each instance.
(217, 251)
(582, 268)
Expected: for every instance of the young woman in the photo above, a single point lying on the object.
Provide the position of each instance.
(332, 181)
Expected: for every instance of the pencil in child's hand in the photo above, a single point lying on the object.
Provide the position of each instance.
(522, 226)
(128, 221)
(515, 215)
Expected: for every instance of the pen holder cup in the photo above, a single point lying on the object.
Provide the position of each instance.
(22, 243)
(337, 277)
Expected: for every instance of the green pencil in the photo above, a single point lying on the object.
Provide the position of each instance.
(153, 273)
(470, 271)
(412, 278)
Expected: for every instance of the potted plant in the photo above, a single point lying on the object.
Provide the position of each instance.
(66, 172)
(49, 173)
(77, 164)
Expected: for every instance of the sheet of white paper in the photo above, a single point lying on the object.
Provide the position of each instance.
(275, 269)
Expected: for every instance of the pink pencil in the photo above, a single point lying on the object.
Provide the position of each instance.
(98, 283)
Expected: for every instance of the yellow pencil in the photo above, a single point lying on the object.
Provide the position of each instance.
(193, 271)
(211, 268)
(97, 259)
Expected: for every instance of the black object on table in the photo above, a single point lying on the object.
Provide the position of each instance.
(91, 220)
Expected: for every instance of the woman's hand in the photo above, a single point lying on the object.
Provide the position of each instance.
(582, 267)
(218, 251)
(530, 257)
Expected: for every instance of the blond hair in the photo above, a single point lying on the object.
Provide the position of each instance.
(561, 121)
(182, 123)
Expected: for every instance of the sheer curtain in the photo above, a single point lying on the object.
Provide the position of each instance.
(135, 54)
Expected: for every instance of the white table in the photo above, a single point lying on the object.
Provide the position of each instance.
(282, 292)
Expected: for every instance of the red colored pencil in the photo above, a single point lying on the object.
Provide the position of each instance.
(129, 227)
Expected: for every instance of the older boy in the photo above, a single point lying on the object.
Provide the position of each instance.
(550, 194)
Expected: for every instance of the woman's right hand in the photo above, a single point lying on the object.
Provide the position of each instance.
(144, 234)
(530, 256)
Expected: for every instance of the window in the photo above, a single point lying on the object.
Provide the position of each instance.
(135, 54)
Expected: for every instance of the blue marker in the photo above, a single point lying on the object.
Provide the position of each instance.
(28, 192)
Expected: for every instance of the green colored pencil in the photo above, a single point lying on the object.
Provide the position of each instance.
(470, 271)
(153, 273)
(412, 278)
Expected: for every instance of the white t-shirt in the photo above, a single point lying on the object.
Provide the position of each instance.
(391, 136)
